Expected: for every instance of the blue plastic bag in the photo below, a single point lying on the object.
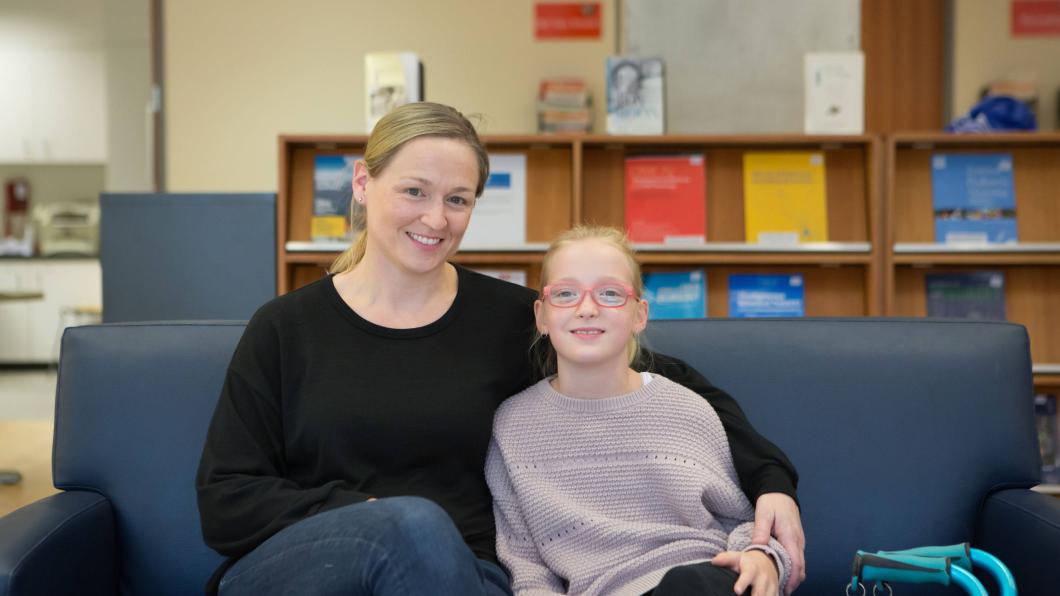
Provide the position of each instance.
(995, 113)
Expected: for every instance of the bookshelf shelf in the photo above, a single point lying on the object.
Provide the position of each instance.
(1031, 268)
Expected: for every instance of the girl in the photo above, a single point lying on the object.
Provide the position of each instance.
(609, 481)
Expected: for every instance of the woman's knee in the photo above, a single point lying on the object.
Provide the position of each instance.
(420, 522)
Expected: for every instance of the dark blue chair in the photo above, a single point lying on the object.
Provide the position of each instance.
(905, 433)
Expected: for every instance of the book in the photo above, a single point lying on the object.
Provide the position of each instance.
(635, 102)
(563, 105)
(391, 79)
(515, 276)
(1048, 427)
(499, 217)
(785, 199)
(834, 93)
(676, 294)
(971, 295)
(754, 295)
(665, 198)
(336, 217)
(973, 198)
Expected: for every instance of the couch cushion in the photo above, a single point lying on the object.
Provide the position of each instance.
(899, 428)
(133, 405)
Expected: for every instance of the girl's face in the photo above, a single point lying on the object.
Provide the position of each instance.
(587, 333)
(420, 205)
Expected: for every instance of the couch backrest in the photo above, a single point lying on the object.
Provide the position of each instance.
(133, 405)
(898, 427)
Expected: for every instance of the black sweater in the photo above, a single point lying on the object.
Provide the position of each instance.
(322, 408)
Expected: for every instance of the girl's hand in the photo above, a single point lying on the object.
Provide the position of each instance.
(777, 514)
(756, 568)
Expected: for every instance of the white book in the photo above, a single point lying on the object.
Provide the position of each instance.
(499, 217)
(834, 92)
(391, 79)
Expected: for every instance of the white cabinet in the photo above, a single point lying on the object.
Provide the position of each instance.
(52, 106)
(30, 329)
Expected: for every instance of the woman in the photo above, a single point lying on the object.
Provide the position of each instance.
(346, 452)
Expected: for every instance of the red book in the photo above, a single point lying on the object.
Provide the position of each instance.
(666, 199)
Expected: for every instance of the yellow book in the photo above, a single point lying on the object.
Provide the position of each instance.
(784, 197)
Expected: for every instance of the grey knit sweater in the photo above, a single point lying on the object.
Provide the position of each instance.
(603, 496)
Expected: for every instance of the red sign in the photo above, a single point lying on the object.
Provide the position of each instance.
(1035, 17)
(580, 20)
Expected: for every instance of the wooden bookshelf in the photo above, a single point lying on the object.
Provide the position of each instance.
(1031, 267)
(841, 276)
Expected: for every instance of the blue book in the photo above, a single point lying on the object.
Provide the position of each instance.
(752, 295)
(333, 199)
(676, 294)
(973, 197)
(974, 295)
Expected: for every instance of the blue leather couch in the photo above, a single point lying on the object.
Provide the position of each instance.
(905, 433)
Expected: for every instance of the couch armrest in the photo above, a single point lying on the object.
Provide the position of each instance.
(64, 544)
(1022, 528)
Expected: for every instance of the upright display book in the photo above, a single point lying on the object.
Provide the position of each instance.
(834, 93)
(753, 296)
(499, 218)
(1045, 420)
(676, 294)
(391, 79)
(635, 102)
(973, 295)
(666, 198)
(785, 199)
(332, 219)
(973, 197)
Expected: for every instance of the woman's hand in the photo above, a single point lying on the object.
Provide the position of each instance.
(756, 568)
(776, 514)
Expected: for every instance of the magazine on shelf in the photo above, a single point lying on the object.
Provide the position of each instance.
(635, 101)
(499, 218)
(564, 105)
(834, 93)
(665, 199)
(676, 294)
(973, 198)
(969, 295)
(1045, 419)
(785, 198)
(771, 295)
(336, 217)
(391, 79)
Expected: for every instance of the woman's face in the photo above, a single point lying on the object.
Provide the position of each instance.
(589, 334)
(420, 205)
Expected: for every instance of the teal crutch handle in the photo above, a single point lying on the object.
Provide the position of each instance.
(958, 554)
(870, 567)
(992, 565)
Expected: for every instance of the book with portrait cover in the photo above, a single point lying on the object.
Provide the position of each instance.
(665, 198)
(676, 294)
(1048, 427)
(973, 197)
(970, 295)
(753, 295)
(635, 100)
(785, 199)
(332, 219)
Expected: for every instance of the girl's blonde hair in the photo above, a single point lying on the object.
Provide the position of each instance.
(545, 354)
(401, 125)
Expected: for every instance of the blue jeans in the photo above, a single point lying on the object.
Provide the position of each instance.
(401, 546)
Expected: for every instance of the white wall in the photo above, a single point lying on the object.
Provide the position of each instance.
(984, 50)
(127, 52)
(240, 72)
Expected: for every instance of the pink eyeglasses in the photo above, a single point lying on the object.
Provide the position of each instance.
(605, 295)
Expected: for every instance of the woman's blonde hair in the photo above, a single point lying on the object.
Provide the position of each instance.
(401, 125)
(545, 354)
